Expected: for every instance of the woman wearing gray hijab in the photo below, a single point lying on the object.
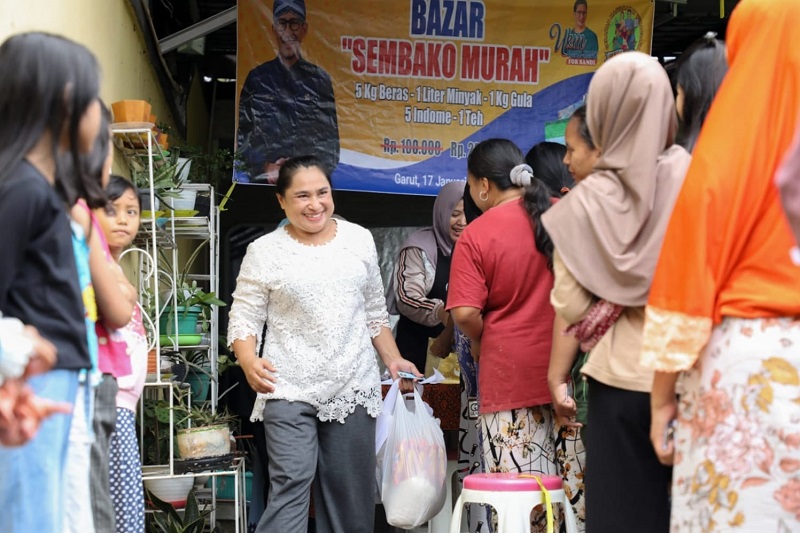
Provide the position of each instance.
(418, 288)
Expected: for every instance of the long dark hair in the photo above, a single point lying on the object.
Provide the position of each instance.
(700, 71)
(494, 159)
(547, 161)
(90, 173)
(46, 83)
(471, 209)
(292, 165)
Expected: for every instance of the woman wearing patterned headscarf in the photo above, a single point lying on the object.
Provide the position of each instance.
(721, 321)
(607, 234)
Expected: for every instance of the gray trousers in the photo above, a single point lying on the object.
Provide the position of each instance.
(338, 459)
(105, 419)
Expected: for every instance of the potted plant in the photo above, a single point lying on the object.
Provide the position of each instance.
(155, 431)
(191, 302)
(202, 431)
(193, 368)
(214, 167)
(181, 200)
(198, 430)
(164, 185)
(198, 372)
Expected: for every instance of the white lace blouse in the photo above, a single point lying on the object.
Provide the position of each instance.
(322, 305)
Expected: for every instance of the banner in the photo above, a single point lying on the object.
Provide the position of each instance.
(393, 94)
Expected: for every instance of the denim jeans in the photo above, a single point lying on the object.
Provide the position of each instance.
(78, 495)
(32, 476)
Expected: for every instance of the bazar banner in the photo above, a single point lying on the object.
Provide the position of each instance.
(392, 95)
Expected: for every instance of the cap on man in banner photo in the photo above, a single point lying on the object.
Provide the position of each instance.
(286, 107)
(282, 6)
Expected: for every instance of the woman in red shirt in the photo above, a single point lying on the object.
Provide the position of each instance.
(499, 296)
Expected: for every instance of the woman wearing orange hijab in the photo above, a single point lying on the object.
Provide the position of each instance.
(725, 297)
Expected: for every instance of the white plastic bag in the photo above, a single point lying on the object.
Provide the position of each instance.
(384, 422)
(412, 464)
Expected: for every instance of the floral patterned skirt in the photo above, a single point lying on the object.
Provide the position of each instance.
(470, 452)
(532, 441)
(737, 462)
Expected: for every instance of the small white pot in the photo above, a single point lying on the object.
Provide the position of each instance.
(185, 202)
(184, 165)
(172, 490)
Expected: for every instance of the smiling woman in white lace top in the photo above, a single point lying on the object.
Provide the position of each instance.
(317, 285)
(314, 298)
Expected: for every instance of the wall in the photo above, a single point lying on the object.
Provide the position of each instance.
(197, 114)
(109, 29)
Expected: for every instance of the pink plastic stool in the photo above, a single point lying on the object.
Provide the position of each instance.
(513, 496)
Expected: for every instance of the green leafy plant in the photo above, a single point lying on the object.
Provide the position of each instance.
(202, 415)
(224, 362)
(169, 520)
(190, 294)
(196, 361)
(167, 176)
(210, 167)
(163, 127)
(164, 179)
(179, 176)
(155, 431)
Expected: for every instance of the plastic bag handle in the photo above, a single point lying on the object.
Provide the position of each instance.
(382, 430)
(401, 399)
(419, 404)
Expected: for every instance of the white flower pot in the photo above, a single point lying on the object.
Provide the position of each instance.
(185, 202)
(172, 490)
(184, 165)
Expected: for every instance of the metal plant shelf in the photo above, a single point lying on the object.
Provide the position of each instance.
(161, 232)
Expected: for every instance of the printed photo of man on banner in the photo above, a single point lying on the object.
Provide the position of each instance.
(286, 105)
(393, 95)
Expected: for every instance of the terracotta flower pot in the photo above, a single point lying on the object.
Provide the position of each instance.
(131, 111)
(163, 140)
(151, 361)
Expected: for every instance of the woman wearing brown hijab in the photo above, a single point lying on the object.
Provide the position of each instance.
(607, 234)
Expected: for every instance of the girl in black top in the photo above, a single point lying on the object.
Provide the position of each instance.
(51, 114)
